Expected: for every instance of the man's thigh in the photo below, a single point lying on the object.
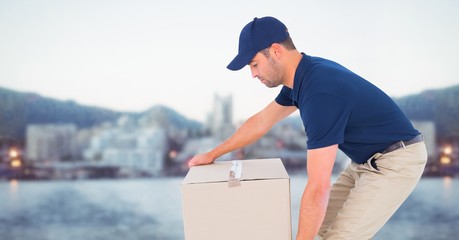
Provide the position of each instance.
(378, 193)
(338, 195)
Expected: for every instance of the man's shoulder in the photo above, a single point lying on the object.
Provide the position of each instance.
(322, 66)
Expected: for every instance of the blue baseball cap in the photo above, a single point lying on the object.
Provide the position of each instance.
(256, 36)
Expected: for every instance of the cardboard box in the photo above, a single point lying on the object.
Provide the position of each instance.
(237, 200)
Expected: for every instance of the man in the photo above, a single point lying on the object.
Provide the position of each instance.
(339, 109)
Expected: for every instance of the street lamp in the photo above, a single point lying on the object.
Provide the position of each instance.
(448, 150)
(16, 163)
(13, 153)
(445, 160)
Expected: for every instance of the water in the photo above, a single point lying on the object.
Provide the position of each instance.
(151, 209)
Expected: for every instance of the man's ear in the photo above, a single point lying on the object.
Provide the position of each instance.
(276, 50)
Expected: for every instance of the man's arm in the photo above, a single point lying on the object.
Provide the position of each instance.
(315, 197)
(252, 129)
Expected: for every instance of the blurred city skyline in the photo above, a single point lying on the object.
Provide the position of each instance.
(131, 55)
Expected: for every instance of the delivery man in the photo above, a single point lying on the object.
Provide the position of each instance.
(339, 110)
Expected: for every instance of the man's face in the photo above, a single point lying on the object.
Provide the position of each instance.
(267, 69)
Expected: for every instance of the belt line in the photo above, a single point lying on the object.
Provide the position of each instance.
(403, 144)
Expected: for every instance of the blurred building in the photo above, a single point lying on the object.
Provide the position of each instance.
(286, 140)
(50, 142)
(129, 147)
(220, 120)
(428, 130)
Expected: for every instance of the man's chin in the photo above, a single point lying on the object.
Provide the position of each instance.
(271, 85)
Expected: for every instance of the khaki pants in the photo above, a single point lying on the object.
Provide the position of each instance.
(364, 198)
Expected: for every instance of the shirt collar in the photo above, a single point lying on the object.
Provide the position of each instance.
(300, 74)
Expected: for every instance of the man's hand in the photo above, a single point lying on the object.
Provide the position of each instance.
(201, 159)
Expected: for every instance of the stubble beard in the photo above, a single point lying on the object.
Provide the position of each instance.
(274, 74)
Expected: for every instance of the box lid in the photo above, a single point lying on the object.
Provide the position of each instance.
(254, 169)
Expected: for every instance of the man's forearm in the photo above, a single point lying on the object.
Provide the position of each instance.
(254, 128)
(312, 211)
(248, 133)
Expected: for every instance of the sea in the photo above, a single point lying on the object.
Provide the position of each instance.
(150, 209)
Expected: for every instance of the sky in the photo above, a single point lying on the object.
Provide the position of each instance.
(129, 55)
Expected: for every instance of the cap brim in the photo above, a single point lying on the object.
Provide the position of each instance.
(240, 61)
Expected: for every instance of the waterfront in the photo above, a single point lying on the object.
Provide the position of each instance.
(151, 209)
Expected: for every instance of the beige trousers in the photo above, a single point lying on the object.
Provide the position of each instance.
(364, 198)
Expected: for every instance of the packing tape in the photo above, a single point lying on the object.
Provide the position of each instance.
(234, 179)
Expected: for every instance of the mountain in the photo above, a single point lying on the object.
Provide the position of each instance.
(17, 110)
(439, 106)
(165, 116)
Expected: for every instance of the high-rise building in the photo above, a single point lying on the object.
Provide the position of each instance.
(428, 130)
(129, 147)
(51, 142)
(220, 120)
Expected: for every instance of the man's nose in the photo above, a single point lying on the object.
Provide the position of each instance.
(254, 73)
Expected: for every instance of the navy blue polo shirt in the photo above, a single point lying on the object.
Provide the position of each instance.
(339, 107)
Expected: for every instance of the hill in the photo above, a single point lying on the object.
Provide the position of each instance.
(439, 106)
(165, 116)
(17, 110)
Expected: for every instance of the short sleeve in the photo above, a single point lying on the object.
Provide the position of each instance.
(284, 98)
(325, 117)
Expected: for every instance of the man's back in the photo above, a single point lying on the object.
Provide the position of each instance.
(339, 107)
